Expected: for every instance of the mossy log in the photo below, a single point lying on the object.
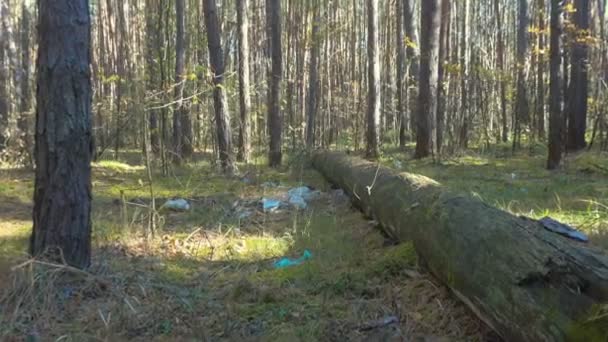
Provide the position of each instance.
(526, 283)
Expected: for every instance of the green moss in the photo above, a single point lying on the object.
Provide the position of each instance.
(394, 260)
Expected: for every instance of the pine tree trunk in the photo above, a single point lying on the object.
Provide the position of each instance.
(273, 15)
(556, 120)
(311, 106)
(522, 105)
(4, 73)
(429, 73)
(374, 86)
(62, 190)
(220, 102)
(244, 148)
(578, 91)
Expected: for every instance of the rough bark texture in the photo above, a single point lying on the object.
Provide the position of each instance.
(373, 79)
(4, 74)
(273, 13)
(24, 101)
(313, 78)
(244, 153)
(412, 56)
(578, 92)
(525, 282)
(429, 73)
(522, 104)
(220, 102)
(62, 191)
(555, 87)
(180, 67)
(401, 107)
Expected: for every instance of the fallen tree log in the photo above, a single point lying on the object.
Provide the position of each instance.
(526, 283)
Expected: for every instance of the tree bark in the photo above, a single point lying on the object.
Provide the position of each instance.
(578, 91)
(273, 15)
(556, 120)
(220, 102)
(413, 60)
(374, 86)
(25, 100)
(62, 190)
(522, 105)
(313, 77)
(500, 61)
(4, 73)
(429, 68)
(400, 41)
(244, 148)
(526, 283)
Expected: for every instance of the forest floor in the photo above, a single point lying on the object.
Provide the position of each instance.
(208, 273)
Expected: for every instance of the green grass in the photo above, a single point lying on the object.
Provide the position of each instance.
(206, 271)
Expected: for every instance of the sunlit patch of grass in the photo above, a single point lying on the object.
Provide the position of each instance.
(116, 166)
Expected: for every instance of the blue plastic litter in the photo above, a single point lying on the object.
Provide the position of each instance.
(304, 192)
(270, 204)
(298, 201)
(563, 229)
(286, 262)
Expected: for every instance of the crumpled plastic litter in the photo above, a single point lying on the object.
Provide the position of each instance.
(298, 201)
(304, 192)
(287, 262)
(563, 229)
(178, 204)
(270, 204)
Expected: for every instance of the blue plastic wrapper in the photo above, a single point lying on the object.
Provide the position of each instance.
(286, 262)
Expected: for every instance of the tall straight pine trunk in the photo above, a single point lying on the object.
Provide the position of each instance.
(374, 86)
(273, 15)
(429, 73)
(62, 190)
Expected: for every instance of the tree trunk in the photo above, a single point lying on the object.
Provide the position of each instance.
(220, 102)
(412, 55)
(181, 149)
(526, 283)
(400, 41)
(540, 72)
(273, 15)
(578, 91)
(522, 106)
(429, 67)
(500, 61)
(62, 190)
(25, 100)
(313, 77)
(244, 152)
(152, 70)
(4, 73)
(374, 86)
(442, 88)
(556, 120)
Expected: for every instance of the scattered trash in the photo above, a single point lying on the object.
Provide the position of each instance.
(270, 204)
(398, 164)
(563, 229)
(379, 323)
(178, 204)
(286, 262)
(513, 176)
(298, 201)
(298, 197)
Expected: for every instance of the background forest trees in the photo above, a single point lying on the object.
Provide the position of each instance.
(292, 71)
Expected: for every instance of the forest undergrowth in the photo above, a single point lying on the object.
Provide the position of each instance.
(208, 274)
